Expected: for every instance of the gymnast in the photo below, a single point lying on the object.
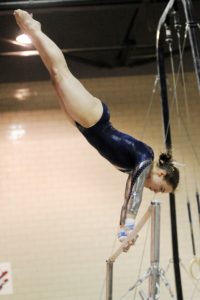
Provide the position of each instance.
(91, 116)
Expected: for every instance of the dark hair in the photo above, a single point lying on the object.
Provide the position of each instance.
(172, 173)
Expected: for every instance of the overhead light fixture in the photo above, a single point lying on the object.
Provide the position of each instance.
(23, 39)
(22, 94)
(16, 132)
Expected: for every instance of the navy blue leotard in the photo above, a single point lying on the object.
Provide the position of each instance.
(126, 153)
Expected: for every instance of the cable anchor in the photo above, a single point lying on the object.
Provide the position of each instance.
(168, 37)
(176, 18)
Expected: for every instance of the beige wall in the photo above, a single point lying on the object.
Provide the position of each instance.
(60, 200)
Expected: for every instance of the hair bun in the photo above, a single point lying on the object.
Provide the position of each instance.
(166, 163)
(165, 158)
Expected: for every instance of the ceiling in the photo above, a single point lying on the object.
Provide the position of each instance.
(98, 38)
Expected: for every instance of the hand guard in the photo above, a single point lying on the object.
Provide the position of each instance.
(126, 229)
(129, 224)
(122, 235)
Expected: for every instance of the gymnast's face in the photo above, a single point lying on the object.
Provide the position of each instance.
(156, 182)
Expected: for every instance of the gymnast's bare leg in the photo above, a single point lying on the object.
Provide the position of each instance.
(78, 103)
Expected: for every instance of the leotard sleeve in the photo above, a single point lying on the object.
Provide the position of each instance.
(134, 190)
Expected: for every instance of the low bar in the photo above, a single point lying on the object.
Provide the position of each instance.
(132, 235)
(111, 259)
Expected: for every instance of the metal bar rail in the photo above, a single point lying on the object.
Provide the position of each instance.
(59, 3)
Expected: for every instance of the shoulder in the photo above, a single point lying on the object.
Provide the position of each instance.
(146, 152)
(150, 151)
(142, 171)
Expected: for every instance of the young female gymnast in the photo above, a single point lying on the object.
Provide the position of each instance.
(92, 118)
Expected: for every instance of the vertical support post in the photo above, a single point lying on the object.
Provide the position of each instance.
(194, 41)
(155, 250)
(109, 279)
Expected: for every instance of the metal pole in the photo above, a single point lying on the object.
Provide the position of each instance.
(109, 279)
(168, 144)
(198, 205)
(194, 41)
(155, 250)
(7, 5)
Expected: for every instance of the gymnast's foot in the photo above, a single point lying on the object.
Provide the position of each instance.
(26, 23)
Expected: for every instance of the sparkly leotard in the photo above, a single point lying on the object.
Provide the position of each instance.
(125, 152)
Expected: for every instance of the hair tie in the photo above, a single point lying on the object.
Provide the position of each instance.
(161, 162)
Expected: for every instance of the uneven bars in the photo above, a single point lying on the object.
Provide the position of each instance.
(131, 236)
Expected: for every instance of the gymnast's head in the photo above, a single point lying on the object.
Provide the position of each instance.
(164, 176)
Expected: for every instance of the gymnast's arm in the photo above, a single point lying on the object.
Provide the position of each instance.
(133, 196)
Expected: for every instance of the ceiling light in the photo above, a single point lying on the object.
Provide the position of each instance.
(23, 39)
(22, 94)
(16, 132)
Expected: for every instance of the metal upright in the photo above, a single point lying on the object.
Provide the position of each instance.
(109, 280)
(154, 278)
(194, 41)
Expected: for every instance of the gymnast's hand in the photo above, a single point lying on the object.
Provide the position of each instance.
(125, 231)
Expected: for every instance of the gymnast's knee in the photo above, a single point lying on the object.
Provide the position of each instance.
(55, 75)
(58, 74)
